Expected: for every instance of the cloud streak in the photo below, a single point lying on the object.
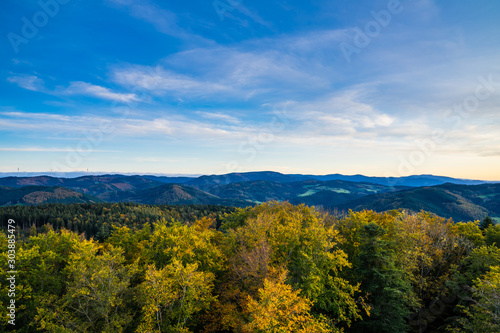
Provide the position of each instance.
(49, 150)
(162, 20)
(34, 83)
(29, 82)
(160, 81)
(87, 89)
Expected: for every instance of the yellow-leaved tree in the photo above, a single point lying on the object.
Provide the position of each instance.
(280, 309)
(179, 279)
(97, 287)
(172, 295)
(275, 236)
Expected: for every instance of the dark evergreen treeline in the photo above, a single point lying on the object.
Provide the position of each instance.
(275, 267)
(96, 220)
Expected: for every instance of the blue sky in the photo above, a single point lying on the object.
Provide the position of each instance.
(385, 88)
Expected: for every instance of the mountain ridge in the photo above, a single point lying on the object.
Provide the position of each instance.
(449, 199)
(34, 195)
(461, 202)
(413, 180)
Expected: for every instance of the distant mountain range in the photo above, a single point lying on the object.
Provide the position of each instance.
(460, 199)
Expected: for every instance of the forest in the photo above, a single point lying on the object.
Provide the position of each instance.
(274, 267)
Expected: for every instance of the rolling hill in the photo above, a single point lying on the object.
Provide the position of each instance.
(205, 182)
(176, 194)
(456, 200)
(34, 195)
(105, 187)
(313, 192)
(413, 181)
(330, 194)
(255, 191)
(230, 178)
(460, 202)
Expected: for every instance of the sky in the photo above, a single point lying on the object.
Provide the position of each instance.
(380, 88)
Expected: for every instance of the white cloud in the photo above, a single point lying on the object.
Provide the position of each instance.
(245, 11)
(306, 126)
(87, 89)
(159, 80)
(41, 149)
(342, 113)
(163, 21)
(219, 116)
(173, 127)
(55, 124)
(222, 73)
(184, 129)
(29, 82)
(287, 64)
(34, 83)
(36, 116)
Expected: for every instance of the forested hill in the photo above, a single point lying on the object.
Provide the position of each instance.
(34, 195)
(460, 202)
(451, 200)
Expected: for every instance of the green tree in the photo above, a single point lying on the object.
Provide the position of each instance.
(40, 264)
(482, 315)
(492, 235)
(486, 223)
(95, 298)
(173, 296)
(389, 290)
(471, 231)
(196, 243)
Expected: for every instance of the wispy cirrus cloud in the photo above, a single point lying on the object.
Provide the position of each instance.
(173, 127)
(34, 83)
(340, 113)
(29, 82)
(159, 81)
(163, 20)
(48, 150)
(219, 116)
(229, 11)
(87, 89)
(34, 116)
(242, 74)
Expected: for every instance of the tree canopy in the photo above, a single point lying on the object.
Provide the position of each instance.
(275, 267)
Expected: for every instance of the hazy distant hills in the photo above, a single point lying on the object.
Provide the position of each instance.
(208, 180)
(448, 197)
(106, 188)
(414, 181)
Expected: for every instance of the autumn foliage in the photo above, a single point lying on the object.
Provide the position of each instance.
(275, 267)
